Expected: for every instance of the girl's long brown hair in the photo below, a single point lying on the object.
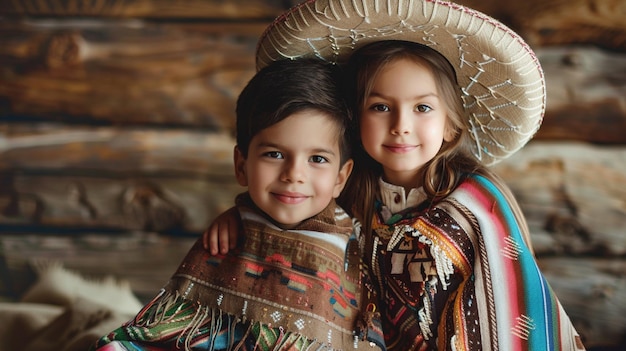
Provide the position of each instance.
(452, 163)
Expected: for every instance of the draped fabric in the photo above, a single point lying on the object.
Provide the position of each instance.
(296, 289)
(458, 275)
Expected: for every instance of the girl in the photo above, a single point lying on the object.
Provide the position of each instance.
(435, 212)
(441, 92)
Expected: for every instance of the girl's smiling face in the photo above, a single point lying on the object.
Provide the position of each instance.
(403, 121)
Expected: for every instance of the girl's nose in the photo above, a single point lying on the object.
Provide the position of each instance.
(401, 124)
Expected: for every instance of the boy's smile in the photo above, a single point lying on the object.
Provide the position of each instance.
(293, 168)
(290, 197)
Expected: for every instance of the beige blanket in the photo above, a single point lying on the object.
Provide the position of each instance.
(63, 311)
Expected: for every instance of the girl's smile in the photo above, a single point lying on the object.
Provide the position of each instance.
(400, 148)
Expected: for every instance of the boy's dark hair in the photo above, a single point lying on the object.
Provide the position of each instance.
(286, 87)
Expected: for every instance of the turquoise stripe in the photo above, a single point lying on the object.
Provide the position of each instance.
(552, 315)
(539, 304)
(135, 346)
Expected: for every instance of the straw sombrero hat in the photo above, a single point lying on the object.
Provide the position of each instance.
(502, 83)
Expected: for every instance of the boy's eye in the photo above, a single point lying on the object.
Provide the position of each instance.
(274, 154)
(423, 108)
(318, 159)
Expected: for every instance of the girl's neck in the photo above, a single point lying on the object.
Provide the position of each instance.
(407, 180)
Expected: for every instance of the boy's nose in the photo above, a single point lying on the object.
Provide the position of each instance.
(293, 172)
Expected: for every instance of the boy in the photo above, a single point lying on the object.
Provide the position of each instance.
(295, 281)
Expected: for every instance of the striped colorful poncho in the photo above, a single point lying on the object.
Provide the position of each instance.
(296, 289)
(458, 275)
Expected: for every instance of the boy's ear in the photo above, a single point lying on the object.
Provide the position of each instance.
(342, 177)
(240, 167)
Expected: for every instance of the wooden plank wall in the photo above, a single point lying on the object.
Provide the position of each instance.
(116, 137)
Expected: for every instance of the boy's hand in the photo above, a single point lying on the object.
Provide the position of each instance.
(223, 233)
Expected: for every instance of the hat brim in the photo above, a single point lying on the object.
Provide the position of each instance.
(502, 83)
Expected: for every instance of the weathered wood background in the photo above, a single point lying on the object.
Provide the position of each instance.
(116, 137)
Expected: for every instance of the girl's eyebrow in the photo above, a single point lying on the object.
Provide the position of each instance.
(417, 97)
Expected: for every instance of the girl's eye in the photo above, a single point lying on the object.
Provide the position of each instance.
(274, 154)
(318, 159)
(423, 108)
(380, 108)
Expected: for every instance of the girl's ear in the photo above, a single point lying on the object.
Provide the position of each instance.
(240, 167)
(342, 177)
(449, 133)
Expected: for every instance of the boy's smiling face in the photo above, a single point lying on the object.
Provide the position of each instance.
(293, 168)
